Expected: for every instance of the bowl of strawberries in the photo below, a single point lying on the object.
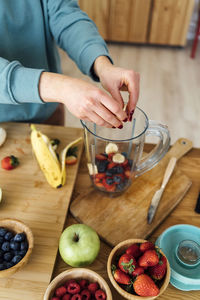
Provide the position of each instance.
(137, 268)
(78, 284)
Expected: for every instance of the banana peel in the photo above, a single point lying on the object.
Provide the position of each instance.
(53, 169)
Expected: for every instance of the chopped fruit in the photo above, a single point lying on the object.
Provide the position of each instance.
(71, 160)
(148, 259)
(100, 295)
(118, 158)
(120, 276)
(9, 162)
(73, 288)
(144, 286)
(102, 165)
(69, 281)
(138, 271)
(61, 291)
(93, 287)
(83, 283)
(76, 297)
(66, 297)
(99, 185)
(127, 263)
(127, 173)
(101, 157)
(85, 294)
(158, 272)
(55, 298)
(147, 246)
(92, 170)
(134, 250)
(111, 165)
(125, 163)
(108, 187)
(110, 156)
(111, 148)
(100, 175)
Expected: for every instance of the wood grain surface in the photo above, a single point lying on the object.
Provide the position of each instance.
(28, 197)
(124, 217)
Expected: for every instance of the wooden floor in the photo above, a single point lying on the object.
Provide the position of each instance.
(170, 85)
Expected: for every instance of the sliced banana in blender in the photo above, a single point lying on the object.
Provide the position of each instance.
(118, 158)
(92, 169)
(111, 148)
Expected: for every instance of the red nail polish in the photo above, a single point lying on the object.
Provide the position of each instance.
(130, 117)
(132, 112)
(113, 127)
(125, 120)
(120, 127)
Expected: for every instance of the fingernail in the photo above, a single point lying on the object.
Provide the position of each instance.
(120, 127)
(113, 127)
(125, 120)
(130, 117)
(132, 111)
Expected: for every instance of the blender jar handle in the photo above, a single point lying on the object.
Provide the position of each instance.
(158, 152)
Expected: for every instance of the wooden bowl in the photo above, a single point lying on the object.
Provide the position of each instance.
(77, 273)
(119, 250)
(17, 226)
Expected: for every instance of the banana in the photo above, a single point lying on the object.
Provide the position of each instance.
(2, 136)
(118, 158)
(0, 194)
(53, 170)
(111, 148)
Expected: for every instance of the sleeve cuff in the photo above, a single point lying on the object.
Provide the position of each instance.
(24, 85)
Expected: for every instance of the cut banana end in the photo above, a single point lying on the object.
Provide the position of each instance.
(0, 194)
(92, 170)
(2, 136)
(111, 148)
(118, 158)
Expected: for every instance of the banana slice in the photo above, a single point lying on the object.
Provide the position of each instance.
(118, 158)
(2, 136)
(111, 148)
(0, 194)
(92, 170)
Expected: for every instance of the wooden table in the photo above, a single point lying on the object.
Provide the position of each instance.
(183, 214)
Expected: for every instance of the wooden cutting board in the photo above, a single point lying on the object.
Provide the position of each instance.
(124, 217)
(28, 197)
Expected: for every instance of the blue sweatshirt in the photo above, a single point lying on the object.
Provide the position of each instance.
(29, 32)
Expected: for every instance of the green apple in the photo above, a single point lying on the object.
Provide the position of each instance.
(79, 245)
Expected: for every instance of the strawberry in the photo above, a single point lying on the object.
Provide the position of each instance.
(125, 163)
(138, 271)
(93, 287)
(73, 288)
(144, 286)
(120, 276)
(9, 162)
(71, 160)
(100, 295)
(108, 187)
(111, 165)
(99, 184)
(85, 294)
(127, 173)
(83, 283)
(147, 246)
(134, 250)
(127, 263)
(100, 175)
(148, 259)
(101, 157)
(66, 297)
(158, 271)
(61, 291)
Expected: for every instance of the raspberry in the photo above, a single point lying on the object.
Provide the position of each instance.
(66, 297)
(61, 291)
(100, 295)
(76, 297)
(68, 282)
(85, 294)
(73, 288)
(93, 287)
(83, 283)
(55, 298)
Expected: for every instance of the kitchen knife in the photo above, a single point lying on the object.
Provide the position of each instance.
(158, 194)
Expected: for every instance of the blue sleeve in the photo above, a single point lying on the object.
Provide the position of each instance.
(18, 84)
(76, 33)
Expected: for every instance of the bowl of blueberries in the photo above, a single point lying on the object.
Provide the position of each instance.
(16, 244)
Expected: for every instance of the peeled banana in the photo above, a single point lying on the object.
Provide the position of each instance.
(54, 171)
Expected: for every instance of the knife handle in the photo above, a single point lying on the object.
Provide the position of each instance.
(169, 171)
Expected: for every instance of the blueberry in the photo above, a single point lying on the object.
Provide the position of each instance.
(109, 172)
(125, 154)
(21, 252)
(1, 240)
(1, 253)
(3, 231)
(24, 245)
(9, 265)
(109, 181)
(16, 259)
(117, 179)
(1, 260)
(121, 186)
(3, 266)
(102, 166)
(20, 237)
(8, 256)
(119, 169)
(105, 154)
(8, 236)
(14, 246)
(130, 162)
(5, 246)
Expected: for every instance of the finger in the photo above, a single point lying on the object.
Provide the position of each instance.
(115, 93)
(114, 107)
(95, 118)
(133, 89)
(107, 115)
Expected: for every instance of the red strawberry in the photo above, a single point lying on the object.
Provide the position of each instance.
(101, 157)
(61, 291)
(127, 263)
(93, 287)
(158, 272)
(109, 188)
(110, 156)
(71, 160)
(66, 297)
(144, 286)
(100, 175)
(73, 288)
(147, 246)
(148, 259)
(134, 250)
(100, 295)
(9, 162)
(127, 173)
(99, 184)
(83, 283)
(138, 271)
(125, 163)
(85, 295)
(111, 165)
(120, 276)
(76, 297)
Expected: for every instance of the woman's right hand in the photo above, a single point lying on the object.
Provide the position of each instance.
(84, 100)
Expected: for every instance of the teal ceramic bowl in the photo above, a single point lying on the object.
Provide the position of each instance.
(185, 277)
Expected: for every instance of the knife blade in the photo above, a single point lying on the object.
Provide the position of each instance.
(158, 194)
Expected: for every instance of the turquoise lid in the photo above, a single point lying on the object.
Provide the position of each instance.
(183, 276)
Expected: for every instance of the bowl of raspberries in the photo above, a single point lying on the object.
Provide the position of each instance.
(78, 284)
(16, 244)
(137, 268)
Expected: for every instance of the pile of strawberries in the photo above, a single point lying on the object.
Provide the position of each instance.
(140, 269)
(79, 290)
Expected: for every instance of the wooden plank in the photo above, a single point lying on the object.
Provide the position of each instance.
(28, 197)
(170, 21)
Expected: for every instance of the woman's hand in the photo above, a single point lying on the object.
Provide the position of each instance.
(82, 99)
(115, 79)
